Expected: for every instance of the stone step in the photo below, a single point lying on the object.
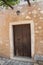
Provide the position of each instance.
(4, 61)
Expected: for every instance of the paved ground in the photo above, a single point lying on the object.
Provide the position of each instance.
(4, 61)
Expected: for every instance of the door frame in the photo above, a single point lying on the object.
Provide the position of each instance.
(31, 22)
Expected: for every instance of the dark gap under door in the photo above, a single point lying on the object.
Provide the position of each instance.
(22, 40)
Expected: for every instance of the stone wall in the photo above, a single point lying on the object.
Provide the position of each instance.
(27, 13)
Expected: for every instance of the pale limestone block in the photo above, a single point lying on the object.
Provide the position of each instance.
(34, 12)
(41, 41)
(29, 12)
(22, 13)
(41, 17)
(41, 11)
(28, 17)
(36, 31)
(39, 27)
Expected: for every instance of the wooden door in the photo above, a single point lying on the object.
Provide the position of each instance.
(22, 40)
